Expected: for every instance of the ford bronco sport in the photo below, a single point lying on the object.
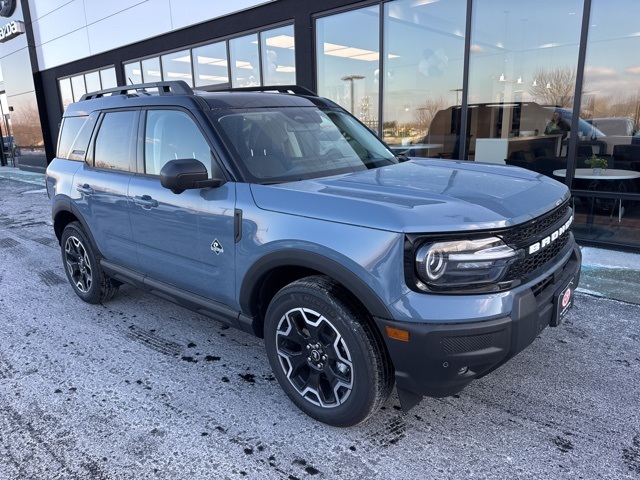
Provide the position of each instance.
(280, 214)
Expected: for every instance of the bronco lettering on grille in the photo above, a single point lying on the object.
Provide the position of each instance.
(548, 240)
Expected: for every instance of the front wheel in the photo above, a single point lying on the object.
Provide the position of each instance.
(81, 265)
(326, 353)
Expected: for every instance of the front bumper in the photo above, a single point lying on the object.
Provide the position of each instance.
(441, 359)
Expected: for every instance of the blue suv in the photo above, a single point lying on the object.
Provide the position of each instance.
(279, 213)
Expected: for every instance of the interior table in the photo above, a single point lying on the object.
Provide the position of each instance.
(608, 174)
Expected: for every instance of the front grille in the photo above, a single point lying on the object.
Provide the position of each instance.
(524, 267)
(523, 236)
(534, 228)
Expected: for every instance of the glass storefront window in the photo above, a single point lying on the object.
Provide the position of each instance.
(151, 70)
(348, 61)
(108, 78)
(424, 63)
(245, 62)
(278, 56)
(133, 73)
(72, 89)
(522, 69)
(92, 81)
(607, 202)
(210, 64)
(66, 92)
(78, 86)
(177, 66)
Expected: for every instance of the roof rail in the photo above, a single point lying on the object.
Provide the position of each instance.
(297, 89)
(177, 87)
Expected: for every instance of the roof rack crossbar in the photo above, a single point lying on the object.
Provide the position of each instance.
(297, 89)
(176, 87)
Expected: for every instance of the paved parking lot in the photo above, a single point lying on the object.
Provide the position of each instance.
(139, 388)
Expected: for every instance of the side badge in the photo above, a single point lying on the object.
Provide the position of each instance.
(216, 246)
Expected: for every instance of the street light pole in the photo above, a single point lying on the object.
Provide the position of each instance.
(350, 79)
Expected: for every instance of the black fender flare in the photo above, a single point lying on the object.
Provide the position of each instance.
(313, 261)
(65, 206)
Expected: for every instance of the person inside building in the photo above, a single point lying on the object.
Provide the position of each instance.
(557, 126)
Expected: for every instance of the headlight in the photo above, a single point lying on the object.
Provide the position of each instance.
(463, 264)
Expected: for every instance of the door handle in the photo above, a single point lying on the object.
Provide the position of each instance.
(85, 189)
(145, 202)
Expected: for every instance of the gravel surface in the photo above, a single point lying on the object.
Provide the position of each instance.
(140, 388)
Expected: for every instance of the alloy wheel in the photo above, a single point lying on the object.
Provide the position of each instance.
(314, 357)
(78, 264)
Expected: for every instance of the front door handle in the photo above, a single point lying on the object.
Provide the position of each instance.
(145, 202)
(85, 189)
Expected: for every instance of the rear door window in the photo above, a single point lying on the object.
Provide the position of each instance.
(115, 141)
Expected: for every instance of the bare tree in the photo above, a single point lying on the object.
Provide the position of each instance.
(25, 124)
(423, 114)
(554, 86)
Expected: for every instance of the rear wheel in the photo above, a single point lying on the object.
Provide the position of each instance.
(325, 352)
(81, 265)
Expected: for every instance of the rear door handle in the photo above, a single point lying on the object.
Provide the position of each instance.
(145, 202)
(85, 189)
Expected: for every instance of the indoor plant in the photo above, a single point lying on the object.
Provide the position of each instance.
(597, 163)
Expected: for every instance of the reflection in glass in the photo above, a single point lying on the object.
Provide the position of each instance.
(278, 56)
(66, 93)
(522, 68)
(171, 134)
(245, 64)
(611, 105)
(424, 63)
(177, 66)
(108, 78)
(210, 64)
(348, 61)
(25, 124)
(92, 81)
(113, 146)
(133, 73)
(151, 70)
(78, 87)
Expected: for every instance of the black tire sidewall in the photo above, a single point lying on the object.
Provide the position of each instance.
(363, 397)
(74, 229)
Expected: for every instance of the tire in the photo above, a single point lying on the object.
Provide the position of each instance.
(82, 267)
(326, 353)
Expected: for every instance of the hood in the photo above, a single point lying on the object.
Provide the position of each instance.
(420, 196)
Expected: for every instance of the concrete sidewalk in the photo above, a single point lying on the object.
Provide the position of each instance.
(22, 175)
(611, 274)
(605, 273)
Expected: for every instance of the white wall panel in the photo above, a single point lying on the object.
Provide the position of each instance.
(40, 8)
(97, 11)
(65, 49)
(202, 10)
(68, 30)
(62, 21)
(142, 21)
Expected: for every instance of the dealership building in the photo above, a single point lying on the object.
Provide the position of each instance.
(474, 80)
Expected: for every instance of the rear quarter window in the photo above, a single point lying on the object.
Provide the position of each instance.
(75, 133)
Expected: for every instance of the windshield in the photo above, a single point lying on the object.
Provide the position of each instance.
(298, 143)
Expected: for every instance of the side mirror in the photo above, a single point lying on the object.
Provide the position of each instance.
(187, 174)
